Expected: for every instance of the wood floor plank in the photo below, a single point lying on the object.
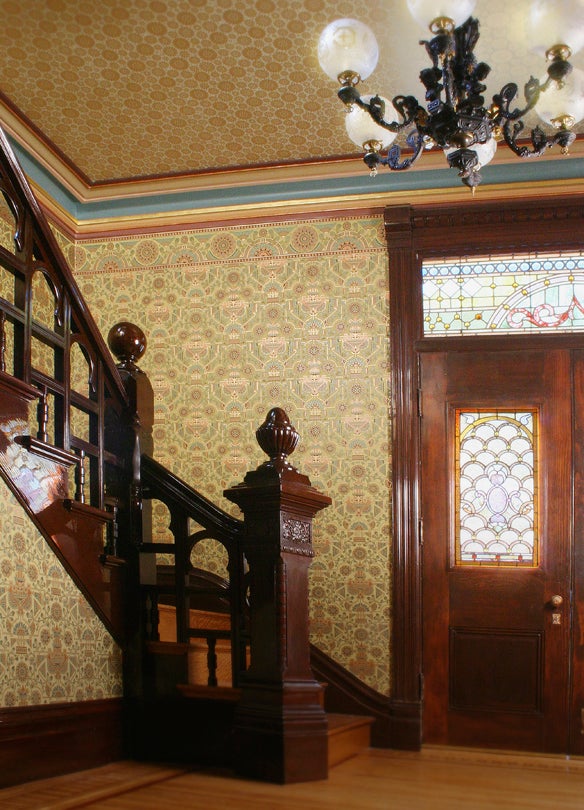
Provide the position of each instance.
(80, 789)
(435, 779)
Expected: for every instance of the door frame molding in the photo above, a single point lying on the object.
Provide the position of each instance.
(432, 232)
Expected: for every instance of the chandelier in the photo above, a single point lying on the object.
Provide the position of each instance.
(455, 118)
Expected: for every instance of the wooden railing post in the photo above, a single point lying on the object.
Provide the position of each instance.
(280, 727)
(128, 343)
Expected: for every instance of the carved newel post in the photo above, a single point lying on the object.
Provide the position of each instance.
(280, 726)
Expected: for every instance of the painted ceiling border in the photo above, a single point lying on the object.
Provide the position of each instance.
(280, 191)
(366, 204)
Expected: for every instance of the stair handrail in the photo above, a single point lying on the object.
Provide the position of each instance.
(185, 504)
(159, 482)
(14, 184)
(52, 353)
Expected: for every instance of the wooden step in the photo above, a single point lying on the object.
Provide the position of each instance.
(348, 735)
(224, 693)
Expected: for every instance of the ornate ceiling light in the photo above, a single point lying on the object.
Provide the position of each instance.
(455, 118)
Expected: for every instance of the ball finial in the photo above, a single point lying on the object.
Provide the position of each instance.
(127, 342)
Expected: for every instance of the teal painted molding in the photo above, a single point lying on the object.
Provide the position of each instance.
(42, 177)
(386, 182)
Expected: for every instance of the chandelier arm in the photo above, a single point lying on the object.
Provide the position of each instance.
(540, 143)
(502, 101)
(376, 109)
(407, 107)
(416, 141)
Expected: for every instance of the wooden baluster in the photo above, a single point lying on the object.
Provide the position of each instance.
(212, 661)
(2, 341)
(151, 615)
(179, 526)
(80, 478)
(111, 547)
(43, 416)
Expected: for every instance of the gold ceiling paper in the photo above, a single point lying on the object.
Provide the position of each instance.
(139, 88)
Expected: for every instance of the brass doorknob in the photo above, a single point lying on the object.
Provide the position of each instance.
(556, 600)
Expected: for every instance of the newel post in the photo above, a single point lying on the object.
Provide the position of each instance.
(128, 343)
(280, 725)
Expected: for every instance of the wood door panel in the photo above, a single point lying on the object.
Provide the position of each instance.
(496, 666)
(468, 375)
(471, 593)
(469, 728)
(495, 670)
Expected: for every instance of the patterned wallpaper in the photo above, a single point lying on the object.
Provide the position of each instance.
(289, 314)
(53, 648)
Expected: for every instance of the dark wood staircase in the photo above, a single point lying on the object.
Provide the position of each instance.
(235, 675)
(347, 734)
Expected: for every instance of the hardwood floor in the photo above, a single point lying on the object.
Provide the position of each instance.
(435, 779)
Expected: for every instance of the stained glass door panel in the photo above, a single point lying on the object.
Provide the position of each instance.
(496, 486)
(496, 507)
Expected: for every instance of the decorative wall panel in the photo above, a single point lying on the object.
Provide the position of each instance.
(289, 314)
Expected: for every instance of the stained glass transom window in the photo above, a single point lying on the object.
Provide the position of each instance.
(507, 296)
(496, 488)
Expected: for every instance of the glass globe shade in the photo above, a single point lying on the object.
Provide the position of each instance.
(361, 128)
(555, 22)
(347, 45)
(425, 11)
(557, 102)
(485, 151)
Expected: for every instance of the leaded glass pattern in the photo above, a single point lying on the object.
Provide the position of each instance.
(504, 295)
(496, 488)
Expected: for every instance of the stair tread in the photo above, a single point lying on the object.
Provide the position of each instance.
(227, 693)
(338, 723)
(348, 735)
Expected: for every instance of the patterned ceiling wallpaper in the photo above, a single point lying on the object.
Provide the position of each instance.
(139, 87)
(128, 88)
(290, 314)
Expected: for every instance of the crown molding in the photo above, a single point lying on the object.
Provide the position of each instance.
(335, 170)
(325, 206)
(267, 193)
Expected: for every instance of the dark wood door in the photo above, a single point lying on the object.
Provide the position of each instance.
(496, 616)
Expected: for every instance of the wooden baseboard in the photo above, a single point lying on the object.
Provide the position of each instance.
(42, 741)
(406, 725)
(346, 694)
(396, 724)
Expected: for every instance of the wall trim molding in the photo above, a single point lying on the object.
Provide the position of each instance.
(340, 170)
(346, 694)
(37, 742)
(155, 218)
